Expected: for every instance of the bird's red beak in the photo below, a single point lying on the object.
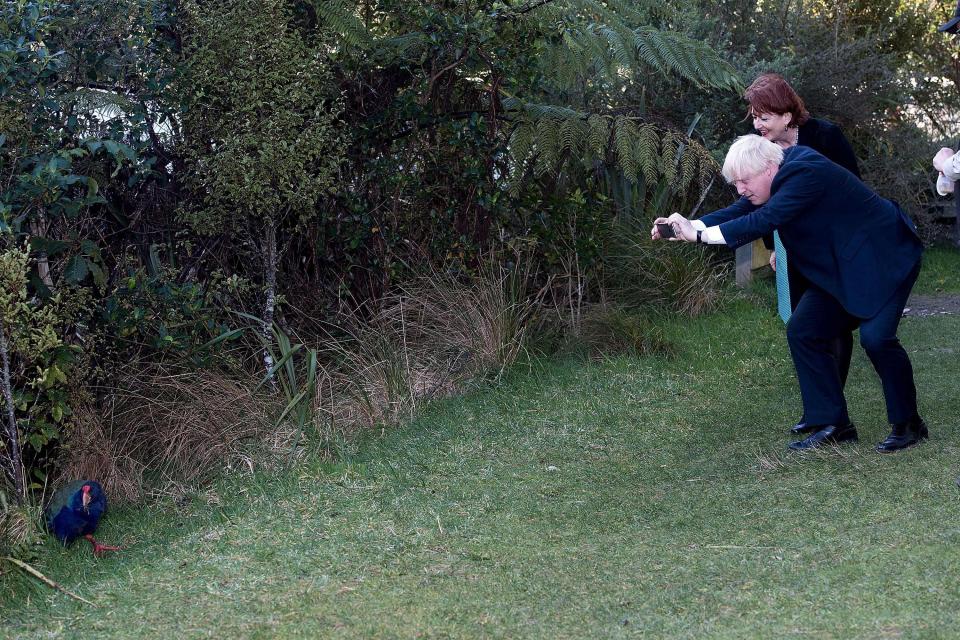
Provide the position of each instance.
(86, 496)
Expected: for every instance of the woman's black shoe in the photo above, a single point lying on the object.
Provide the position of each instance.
(904, 435)
(826, 434)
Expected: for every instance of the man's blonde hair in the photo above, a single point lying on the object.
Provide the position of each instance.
(749, 155)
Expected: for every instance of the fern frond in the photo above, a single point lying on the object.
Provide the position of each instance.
(402, 48)
(537, 111)
(342, 17)
(624, 141)
(598, 138)
(545, 138)
(602, 17)
(634, 12)
(109, 104)
(647, 153)
(548, 145)
(573, 134)
(688, 168)
(521, 141)
(669, 52)
(708, 169)
(669, 148)
(520, 146)
(620, 49)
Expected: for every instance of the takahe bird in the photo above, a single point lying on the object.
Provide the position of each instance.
(75, 511)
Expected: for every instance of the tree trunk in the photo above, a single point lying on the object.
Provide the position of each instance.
(40, 228)
(269, 255)
(15, 470)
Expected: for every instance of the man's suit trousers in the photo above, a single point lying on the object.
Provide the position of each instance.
(818, 320)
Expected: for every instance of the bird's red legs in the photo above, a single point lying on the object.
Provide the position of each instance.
(98, 548)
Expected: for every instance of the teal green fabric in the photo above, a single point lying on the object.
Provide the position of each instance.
(783, 283)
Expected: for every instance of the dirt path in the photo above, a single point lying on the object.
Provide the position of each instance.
(942, 305)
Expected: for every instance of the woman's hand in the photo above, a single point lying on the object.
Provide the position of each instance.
(773, 260)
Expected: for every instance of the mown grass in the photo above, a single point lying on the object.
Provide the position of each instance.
(941, 272)
(629, 497)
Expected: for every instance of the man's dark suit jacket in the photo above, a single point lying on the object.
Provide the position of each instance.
(826, 138)
(839, 234)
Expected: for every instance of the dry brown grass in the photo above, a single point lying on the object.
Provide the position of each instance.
(95, 453)
(423, 342)
(164, 429)
(18, 527)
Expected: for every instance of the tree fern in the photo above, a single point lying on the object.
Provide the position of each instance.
(687, 169)
(545, 138)
(573, 136)
(669, 148)
(341, 17)
(648, 152)
(580, 52)
(608, 37)
(675, 53)
(624, 141)
(620, 50)
(548, 145)
(598, 137)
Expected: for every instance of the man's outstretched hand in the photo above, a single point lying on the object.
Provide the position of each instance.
(682, 228)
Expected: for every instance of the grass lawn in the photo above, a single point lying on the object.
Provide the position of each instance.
(624, 498)
(941, 272)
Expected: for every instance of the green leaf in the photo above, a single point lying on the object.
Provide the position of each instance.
(93, 187)
(77, 269)
(99, 277)
(223, 337)
(48, 246)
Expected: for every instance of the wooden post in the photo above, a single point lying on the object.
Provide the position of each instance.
(751, 257)
(744, 257)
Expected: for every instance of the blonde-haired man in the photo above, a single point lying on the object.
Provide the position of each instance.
(861, 255)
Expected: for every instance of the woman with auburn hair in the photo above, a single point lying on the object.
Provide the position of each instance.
(780, 116)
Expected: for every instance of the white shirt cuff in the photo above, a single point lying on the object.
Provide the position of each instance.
(712, 235)
(697, 224)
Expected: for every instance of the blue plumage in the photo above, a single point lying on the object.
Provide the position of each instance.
(68, 518)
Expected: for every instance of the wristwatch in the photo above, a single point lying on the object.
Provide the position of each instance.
(699, 234)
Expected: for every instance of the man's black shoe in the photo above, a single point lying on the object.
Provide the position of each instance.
(904, 434)
(803, 427)
(829, 434)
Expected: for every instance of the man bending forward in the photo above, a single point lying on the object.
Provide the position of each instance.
(861, 255)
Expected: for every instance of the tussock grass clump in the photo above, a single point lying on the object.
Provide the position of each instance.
(19, 534)
(674, 276)
(422, 342)
(610, 330)
(19, 526)
(98, 453)
(481, 324)
(164, 427)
